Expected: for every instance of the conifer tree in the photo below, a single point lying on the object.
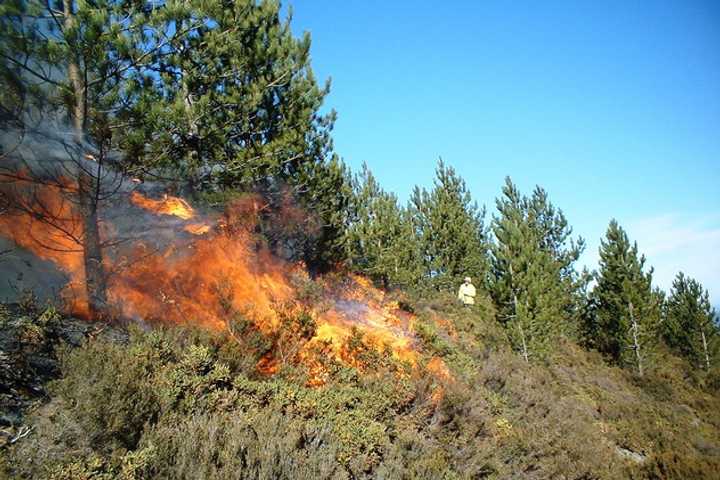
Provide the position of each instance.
(626, 310)
(230, 104)
(67, 61)
(324, 189)
(533, 280)
(381, 239)
(690, 326)
(451, 231)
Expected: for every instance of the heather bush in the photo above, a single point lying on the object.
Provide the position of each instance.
(181, 403)
(108, 388)
(264, 445)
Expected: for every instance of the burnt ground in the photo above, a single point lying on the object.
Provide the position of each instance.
(31, 340)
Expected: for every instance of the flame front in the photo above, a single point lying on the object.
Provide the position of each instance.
(210, 279)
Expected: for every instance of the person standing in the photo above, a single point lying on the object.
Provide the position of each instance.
(466, 293)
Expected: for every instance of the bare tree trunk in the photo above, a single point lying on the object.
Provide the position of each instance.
(95, 279)
(79, 107)
(517, 318)
(636, 340)
(88, 186)
(524, 344)
(705, 350)
(195, 154)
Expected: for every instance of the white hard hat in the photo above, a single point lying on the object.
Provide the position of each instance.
(468, 279)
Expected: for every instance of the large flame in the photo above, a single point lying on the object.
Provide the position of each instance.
(45, 220)
(225, 274)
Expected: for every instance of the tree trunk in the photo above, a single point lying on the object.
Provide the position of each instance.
(636, 340)
(524, 344)
(517, 318)
(705, 350)
(88, 185)
(195, 160)
(78, 110)
(95, 279)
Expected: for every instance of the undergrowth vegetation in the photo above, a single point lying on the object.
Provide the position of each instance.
(175, 403)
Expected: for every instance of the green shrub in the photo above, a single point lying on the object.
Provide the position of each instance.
(108, 390)
(181, 403)
(266, 445)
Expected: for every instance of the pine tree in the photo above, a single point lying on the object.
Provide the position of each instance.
(216, 94)
(690, 327)
(451, 231)
(232, 103)
(533, 280)
(68, 60)
(381, 239)
(626, 310)
(324, 190)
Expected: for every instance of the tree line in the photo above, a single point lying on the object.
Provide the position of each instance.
(217, 97)
(525, 261)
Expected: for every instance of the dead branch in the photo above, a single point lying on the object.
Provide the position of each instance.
(22, 433)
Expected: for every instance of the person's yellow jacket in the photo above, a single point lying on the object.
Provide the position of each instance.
(466, 294)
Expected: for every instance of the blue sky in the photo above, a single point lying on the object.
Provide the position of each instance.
(613, 107)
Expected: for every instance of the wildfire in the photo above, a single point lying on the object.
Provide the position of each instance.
(59, 239)
(222, 275)
(169, 205)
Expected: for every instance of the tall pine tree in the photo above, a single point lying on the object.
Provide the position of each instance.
(690, 326)
(451, 231)
(533, 279)
(626, 310)
(218, 95)
(231, 103)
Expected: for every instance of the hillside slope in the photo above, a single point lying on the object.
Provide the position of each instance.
(174, 403)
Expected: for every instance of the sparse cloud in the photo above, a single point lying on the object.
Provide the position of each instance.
(676, 242)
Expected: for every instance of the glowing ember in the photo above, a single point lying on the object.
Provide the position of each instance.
(197, 228)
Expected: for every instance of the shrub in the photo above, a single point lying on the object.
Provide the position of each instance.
(108, 390)
(180, 403)
(263, 446)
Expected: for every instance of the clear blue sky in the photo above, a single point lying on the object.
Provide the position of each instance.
(613, 107)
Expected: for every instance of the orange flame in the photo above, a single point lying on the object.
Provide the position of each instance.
(197, 228)
(439, 369)
(437, 366)
(169, 205)
(59, 239)
(210, 279)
